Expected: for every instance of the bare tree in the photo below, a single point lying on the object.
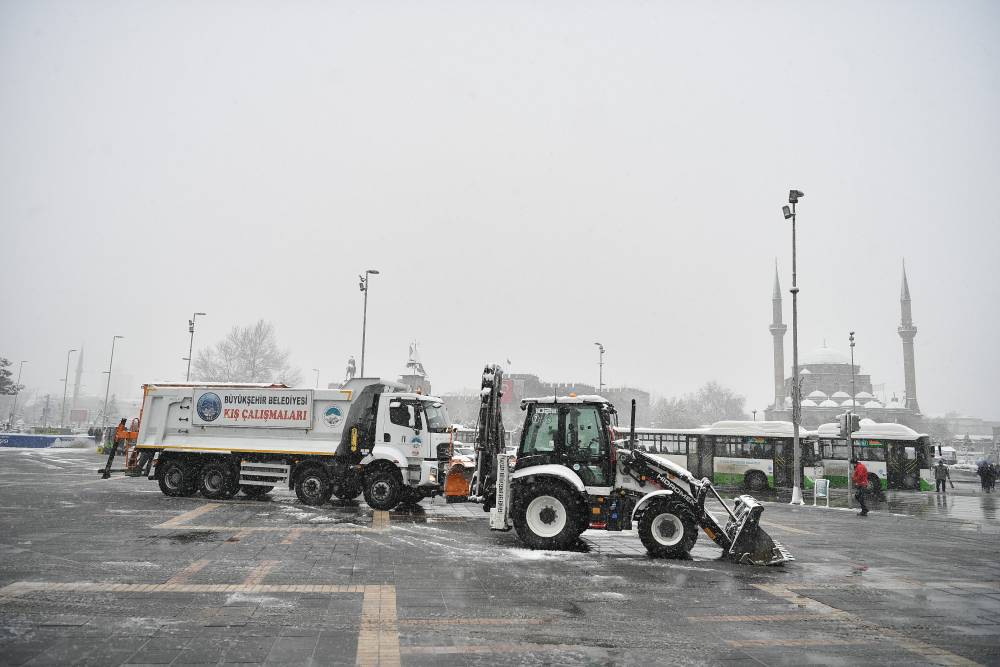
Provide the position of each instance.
(710, 403)
(246, 354)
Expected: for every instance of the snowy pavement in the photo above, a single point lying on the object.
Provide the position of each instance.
(113, 572)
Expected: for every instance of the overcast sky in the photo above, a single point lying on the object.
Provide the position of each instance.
(528, 177)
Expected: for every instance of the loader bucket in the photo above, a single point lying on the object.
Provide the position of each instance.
(749, 543)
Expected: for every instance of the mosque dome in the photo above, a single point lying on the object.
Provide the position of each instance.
(808, 404)
(825, 355)
(873, 404)
(863, 396)
(847, 404)
(805, 371)
(828, 404)
(840, 395)
(817, 394)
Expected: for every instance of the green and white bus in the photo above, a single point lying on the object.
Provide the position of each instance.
(896, 456)
(755, 455)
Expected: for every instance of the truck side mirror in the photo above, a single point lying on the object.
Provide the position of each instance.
(444, 451)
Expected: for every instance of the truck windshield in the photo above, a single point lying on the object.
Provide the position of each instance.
(437, 417)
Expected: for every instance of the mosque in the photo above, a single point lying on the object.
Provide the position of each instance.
(828, 377)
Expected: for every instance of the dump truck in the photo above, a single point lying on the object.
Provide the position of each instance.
(368, 437)
(572, 473)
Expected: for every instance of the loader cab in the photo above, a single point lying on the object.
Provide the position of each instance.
(571, 432)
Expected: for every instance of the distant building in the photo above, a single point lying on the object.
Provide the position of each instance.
(826, 378)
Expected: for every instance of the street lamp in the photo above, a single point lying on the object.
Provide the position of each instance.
(187, 378)
(364, 318)
(316, 371)
(854, 391)
(107, 387)
(793, 199)
(17, 391)
(62, 410)
(600, 367)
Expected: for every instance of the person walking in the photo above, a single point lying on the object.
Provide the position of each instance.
(941, 475)
(860, 480)
(983, 470)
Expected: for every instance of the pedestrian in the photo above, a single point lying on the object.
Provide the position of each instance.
(860, 479)
(121, 436)
(984, 472)
(991, 480)
(941, 475)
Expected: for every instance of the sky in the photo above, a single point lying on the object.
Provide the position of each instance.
(529, 178)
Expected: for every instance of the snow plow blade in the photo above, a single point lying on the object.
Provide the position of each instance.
(749, 544)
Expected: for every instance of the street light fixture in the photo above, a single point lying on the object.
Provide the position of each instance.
(793, 199)
(62, 410)
(187, 378)
(107, 387)
(17, 392)
(600, 367)
(364, 318)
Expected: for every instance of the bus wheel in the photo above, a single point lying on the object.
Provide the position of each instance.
(312, 486)
(875, 485)
(668, 529)
(255, 491)
(176, 479)
(218, 481)
(755, 480)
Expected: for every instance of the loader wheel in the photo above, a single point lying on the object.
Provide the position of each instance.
(218, 481)
(547, 515)
(383, 489)
(667, 529)
(176, 479)
(255, 492)
(755, 480)
(313, 486)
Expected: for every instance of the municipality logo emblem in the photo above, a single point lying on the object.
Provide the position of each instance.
(209, 406)
(332, 416)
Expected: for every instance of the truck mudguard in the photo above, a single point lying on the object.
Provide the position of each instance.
(385, 453)
(645, 500)
(551, 470)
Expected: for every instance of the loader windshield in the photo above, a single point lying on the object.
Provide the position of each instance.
(571, 435)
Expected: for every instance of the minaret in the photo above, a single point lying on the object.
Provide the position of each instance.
(778, 330)
(907, 331)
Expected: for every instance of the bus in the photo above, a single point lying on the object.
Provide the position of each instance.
(755, 455)
(896, 456)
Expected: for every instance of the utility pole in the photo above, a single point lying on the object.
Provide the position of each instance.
(364, 317)
(107, 387)
(793, 199)
(600, 367)
(62, 410)
(854, 390)
(17, 387)
(187, 378)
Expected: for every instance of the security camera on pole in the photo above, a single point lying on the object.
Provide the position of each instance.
(793, 199)
(600, 368)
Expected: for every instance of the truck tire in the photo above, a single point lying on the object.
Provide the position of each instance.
(755, 480)
(254, 491)
(347, 489)
(217, 481)
(668, 529)
(548, 515)
(313, 487)
(383, 488)
(176, 479)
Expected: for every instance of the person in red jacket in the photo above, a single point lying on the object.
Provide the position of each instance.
(860, 480)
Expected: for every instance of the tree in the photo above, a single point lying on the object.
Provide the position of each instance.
(710, 403)
(7, 385)
(246, 354)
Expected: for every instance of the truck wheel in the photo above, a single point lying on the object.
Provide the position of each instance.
(176, 479)
(254, 492)
(383, 489)
(218, 481)
(547, 515)
(313, 486)
(755, 480)
(667, 529)
(347, 490)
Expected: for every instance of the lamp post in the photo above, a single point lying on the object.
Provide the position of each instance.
(854, 391)
(62, 410)
(187, 378)
(107, 387)
(600, 367)
(316, 371)
(793, 199)
(364, 317)
(17, 387)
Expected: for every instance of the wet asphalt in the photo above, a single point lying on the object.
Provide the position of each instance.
(113, 572)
